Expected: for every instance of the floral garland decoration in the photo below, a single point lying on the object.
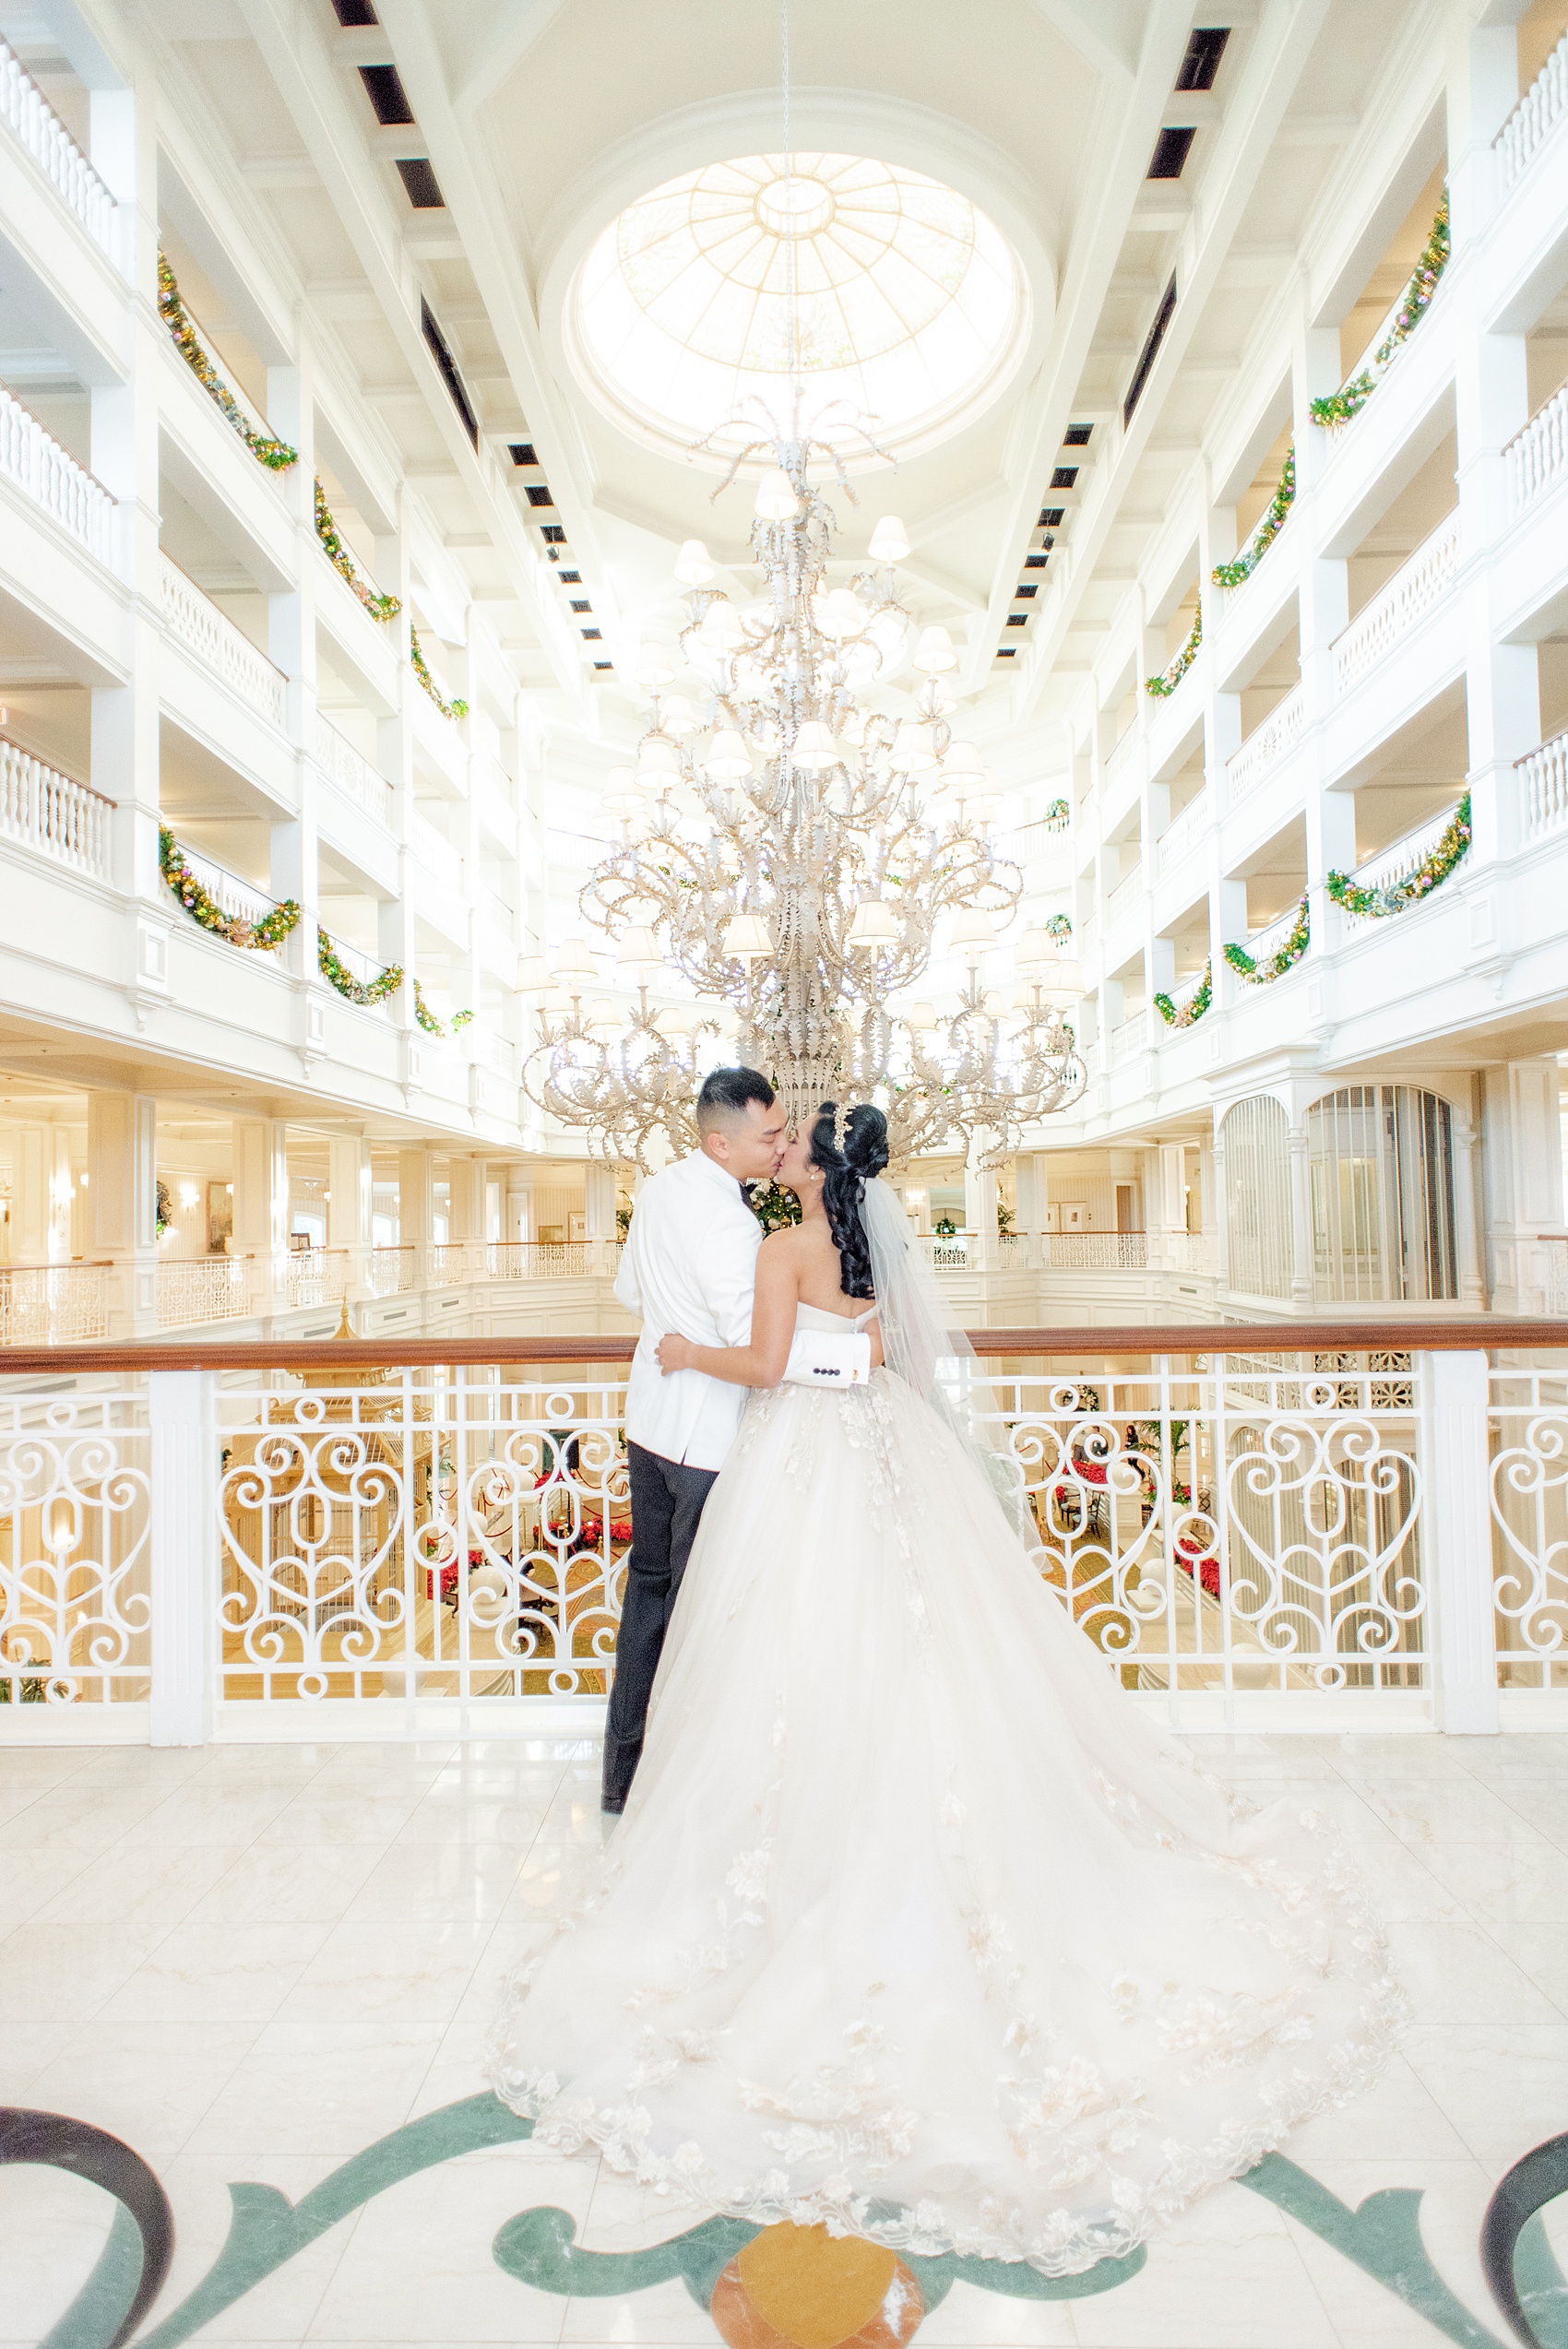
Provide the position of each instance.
(203, 908)
(428, 1020)
(277, 456)
(1433, 870)
(379, 606)
(1198, 1003)
(1281, 960)
(1164, 685)
(1338, 408)
(1058, 926)
(1236, 574)
(355, 990)
(455, 707)
(1055, 816)
(163, 1211)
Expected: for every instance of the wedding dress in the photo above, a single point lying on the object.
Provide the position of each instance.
(913, 1925)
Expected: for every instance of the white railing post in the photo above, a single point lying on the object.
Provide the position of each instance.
(1456, 1539)
(183, 1420)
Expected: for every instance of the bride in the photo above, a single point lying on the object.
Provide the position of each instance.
(914, 1927)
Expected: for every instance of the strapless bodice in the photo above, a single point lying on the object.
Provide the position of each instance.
(812, 1317)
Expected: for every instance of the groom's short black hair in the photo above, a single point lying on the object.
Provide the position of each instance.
(726, 1092)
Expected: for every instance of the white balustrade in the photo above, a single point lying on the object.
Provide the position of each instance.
(196, 620)
(1095, 1251)
(66, 491)
(1538, 455)
(1124, 898)
(391, 1270)
(1544, 776)
(1267, 745)
(200, 1288)
(1253, 1540)
(352, 774)
(317, 1275)
(551, 1259)
(28, 113)
(437, 856)
(1383, 872)
(62, 819)
(1413, 589)
(1182, 831)
(1267, 942)
(241, 899)
(52, 1304)
(1534, 118)
(1132, 1037)
(1181, 994)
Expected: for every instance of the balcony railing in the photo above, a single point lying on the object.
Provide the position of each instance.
(62, 819)
(1265, 943)
(27, 111)
(353, 775)
(1124, 898)
(52, 1304)
(1414, 588)
(1130, 1038)
(240, 898)
(1267, 745)
(1534, 119)
(1183, 832)
(196, 620)
(1544, 774)
(550, 1260)
(435, 854)
(1348, 1535)
(391, 1270)
(1095, 1251)
(66, 491)
(317, 1275)
(200, 1288)
(1538, 455)
(1395, 863)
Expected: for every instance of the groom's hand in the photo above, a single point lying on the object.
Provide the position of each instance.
(675, 1353)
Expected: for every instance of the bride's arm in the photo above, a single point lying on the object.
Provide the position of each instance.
(773, 1325)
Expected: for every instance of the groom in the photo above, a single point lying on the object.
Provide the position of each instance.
(690, 1265)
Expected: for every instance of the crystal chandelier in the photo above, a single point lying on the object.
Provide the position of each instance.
(790, 853)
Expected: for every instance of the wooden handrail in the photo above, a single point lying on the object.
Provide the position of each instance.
(1482, 1332)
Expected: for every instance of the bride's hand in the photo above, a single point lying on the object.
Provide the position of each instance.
(675, 1353)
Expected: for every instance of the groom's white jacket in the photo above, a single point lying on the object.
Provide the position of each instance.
(689, 1266)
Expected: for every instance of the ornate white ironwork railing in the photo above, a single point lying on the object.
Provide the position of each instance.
(1413, 589)
(52, 1304)
(67, 493)
(1130, 1038)
(1535, 117)
(1249, 1539)
(1267, 745)
(1189, 1252)
(391, 1269)
(1538, 455)
(437, 856)
(1095, 1251)
(1544, 774)
(241, 899)
(317, 1275)
(353, 775)
(1182, 831)
(63, 819)
(27, 111)
(1383, 872)
(200, 1288)
(550, 1260)
(1267, 942)
(197, 622)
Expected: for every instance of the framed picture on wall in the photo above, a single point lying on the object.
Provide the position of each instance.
(220, 1217)
(1053, 1214)
(1076, 1215)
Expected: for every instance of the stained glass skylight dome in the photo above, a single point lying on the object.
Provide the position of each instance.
(909, 302)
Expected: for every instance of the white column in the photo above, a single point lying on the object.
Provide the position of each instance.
(465, 1179)
(416, 1207)
(60, 1189)
(260, 1161)
(1457, 1541)
(1524, 1186)
(348, 1208)
(183, 1565)
(598, 1202)
(29, 1197)
(1300, 1222)
(291, 624)
(395, 763)
(1466, 1192)
(122, 1157)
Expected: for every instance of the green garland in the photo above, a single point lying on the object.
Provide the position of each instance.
(277, 456)
(1198, 1003)
(1058, 926)
(1236, 574)
(428, 1020)
(1338, 408)
(355, 990)
(1164, 685)
(1055, 816)
(203, 908)
(1440, 860)
(378, 606)
(455, 707)
(1281, 960)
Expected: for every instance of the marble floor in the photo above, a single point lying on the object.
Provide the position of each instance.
(267, 1971)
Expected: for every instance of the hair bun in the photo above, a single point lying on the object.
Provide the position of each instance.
(866, 1146)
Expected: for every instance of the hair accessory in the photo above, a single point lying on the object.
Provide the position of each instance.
(840, 1126)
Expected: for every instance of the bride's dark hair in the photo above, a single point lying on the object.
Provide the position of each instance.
(845, 1175)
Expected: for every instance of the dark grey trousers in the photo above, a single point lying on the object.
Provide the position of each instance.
(668, 1498)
